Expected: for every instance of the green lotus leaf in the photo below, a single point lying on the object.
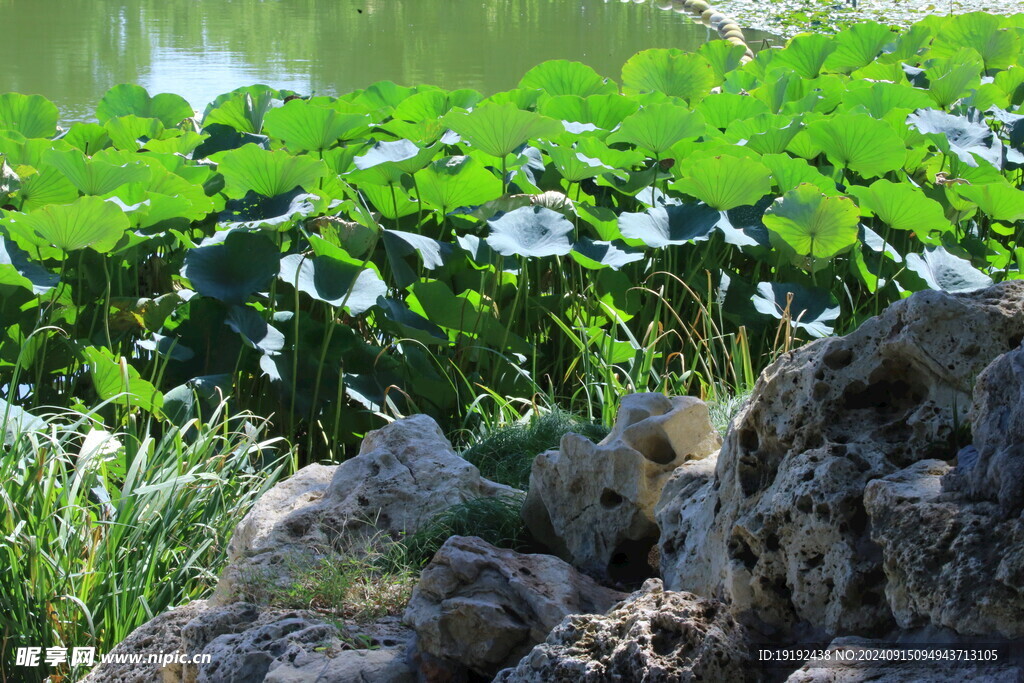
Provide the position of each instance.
(813, 224)
(858, 142)
(881, 98)
(805, 54)
(720, 110)
(430, 105)
(669, 71)
(597, 255)
(402, 322)
(943, 271)
(958, 135)
(306, 127)
(126, 99)
(87, 137)
(334, 281)
(1000, 201)
(810, 308)
(267, 173)
(657, 127)
(520, 98)
(911, 42)
(498, 129)
(383, 95)
(392, 201)
(573, 165)
(95, 176)
(530, 231)
(982, 32)
(386, 162)
(666, 225)
(49, 186)
(766, 133)
(132, 132)
(254, 330)
(562, 77)
(87, 222)
(33, 116)
(109, 374)
(454, 182)
(604, 111)
(18, 270)
(858, 46)
(954, 77)
(901, 206)
(723, 56)
(1011, 82)
(243, 109)
(232, 270)
(724, 182)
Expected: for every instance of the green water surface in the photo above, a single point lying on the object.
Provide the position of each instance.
(72, 51)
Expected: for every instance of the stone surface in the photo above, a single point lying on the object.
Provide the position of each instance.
(483, 607)
(654, 636)
(593, 504)
(404, 474)
(997, 426)
(161, 634)
(949, 561)
(857, 663)
(780, 531)
(300, 665)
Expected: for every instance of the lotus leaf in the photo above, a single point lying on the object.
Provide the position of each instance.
(724, 182)
(858, 46)
(901, 206)
(943, 271)
(87, 222)
(604, 111)
(1001, 201)
(115, 380)
(809, 308)
(33, 116)
(562, 77)
(813, 224)
(530, 231)
(657, 127)
(306, 127)
(232, 270)
(858, 142)
(498, 129)
(805, 54)
(126, 99)
(669, 71)
(661, 226)
(267, 173)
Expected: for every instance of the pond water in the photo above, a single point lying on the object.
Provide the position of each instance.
(73, 51)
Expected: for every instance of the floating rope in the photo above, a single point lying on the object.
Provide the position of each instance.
(726, 26)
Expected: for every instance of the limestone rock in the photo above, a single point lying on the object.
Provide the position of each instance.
(855, 666)
(160, 634)
(949, 561)
(781, 531)
(997, 425)
(593, 504)
(404, 474)
(483, 607)
(300, 665)
(654, 636)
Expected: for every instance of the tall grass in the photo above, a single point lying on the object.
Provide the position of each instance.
(101, 531)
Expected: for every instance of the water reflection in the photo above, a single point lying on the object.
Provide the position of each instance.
(72, 51)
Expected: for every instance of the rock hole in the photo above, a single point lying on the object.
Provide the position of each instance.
(771, 542)
(886, 397)
(629, 563)
(815, 561)
(739, 550)
(838, 358)
(819, 375)
(804, 504)
(665, 641)
(610, 499)
(749, 471)
(820, 391)
(748, 440)
(655, 447)
(1014, 341)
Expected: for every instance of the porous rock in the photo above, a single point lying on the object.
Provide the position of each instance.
(852, 659)
(404, 474)
(780, 530)
(997, 426)
(161, 634)
(949, 561)
(654, 636)
(300, 665)
(593, 504)
(483, 608)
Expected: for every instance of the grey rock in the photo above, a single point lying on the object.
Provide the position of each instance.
(655, 636)
(780, 531)
(853, 661)
(949, 561)
(593, 504)
(162, 634)
(404, 474)
(483, 608)
(300, 665)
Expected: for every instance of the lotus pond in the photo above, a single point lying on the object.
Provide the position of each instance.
(201, 49)
(338, 261)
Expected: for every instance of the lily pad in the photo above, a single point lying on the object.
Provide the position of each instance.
(810, 308)
(530, 231)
